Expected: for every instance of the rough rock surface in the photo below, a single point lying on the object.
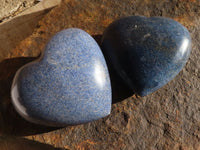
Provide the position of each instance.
(166, 119)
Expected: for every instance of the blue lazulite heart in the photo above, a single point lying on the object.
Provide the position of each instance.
(68, 85)
(146, 52)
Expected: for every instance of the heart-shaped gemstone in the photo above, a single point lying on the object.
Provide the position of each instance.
(68, 85)
(146, 52)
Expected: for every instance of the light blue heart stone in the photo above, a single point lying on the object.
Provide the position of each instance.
(68, 85)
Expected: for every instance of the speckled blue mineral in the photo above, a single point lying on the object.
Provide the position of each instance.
(68, 85)
(146, 52)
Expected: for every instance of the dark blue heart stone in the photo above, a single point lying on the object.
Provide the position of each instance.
(68, 85)
(146, 52)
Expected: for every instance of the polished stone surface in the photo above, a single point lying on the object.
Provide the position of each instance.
(68, 85)
(146, 52)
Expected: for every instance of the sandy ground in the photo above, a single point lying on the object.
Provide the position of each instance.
(10, 8)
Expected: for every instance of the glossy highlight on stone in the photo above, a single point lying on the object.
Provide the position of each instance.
(146, 52)
(68, 85)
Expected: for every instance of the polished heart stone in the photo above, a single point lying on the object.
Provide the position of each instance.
(146, 52)
(68, 85)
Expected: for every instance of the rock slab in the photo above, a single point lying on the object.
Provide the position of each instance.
(166, 119)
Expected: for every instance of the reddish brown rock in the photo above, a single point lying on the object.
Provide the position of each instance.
(166, 119)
